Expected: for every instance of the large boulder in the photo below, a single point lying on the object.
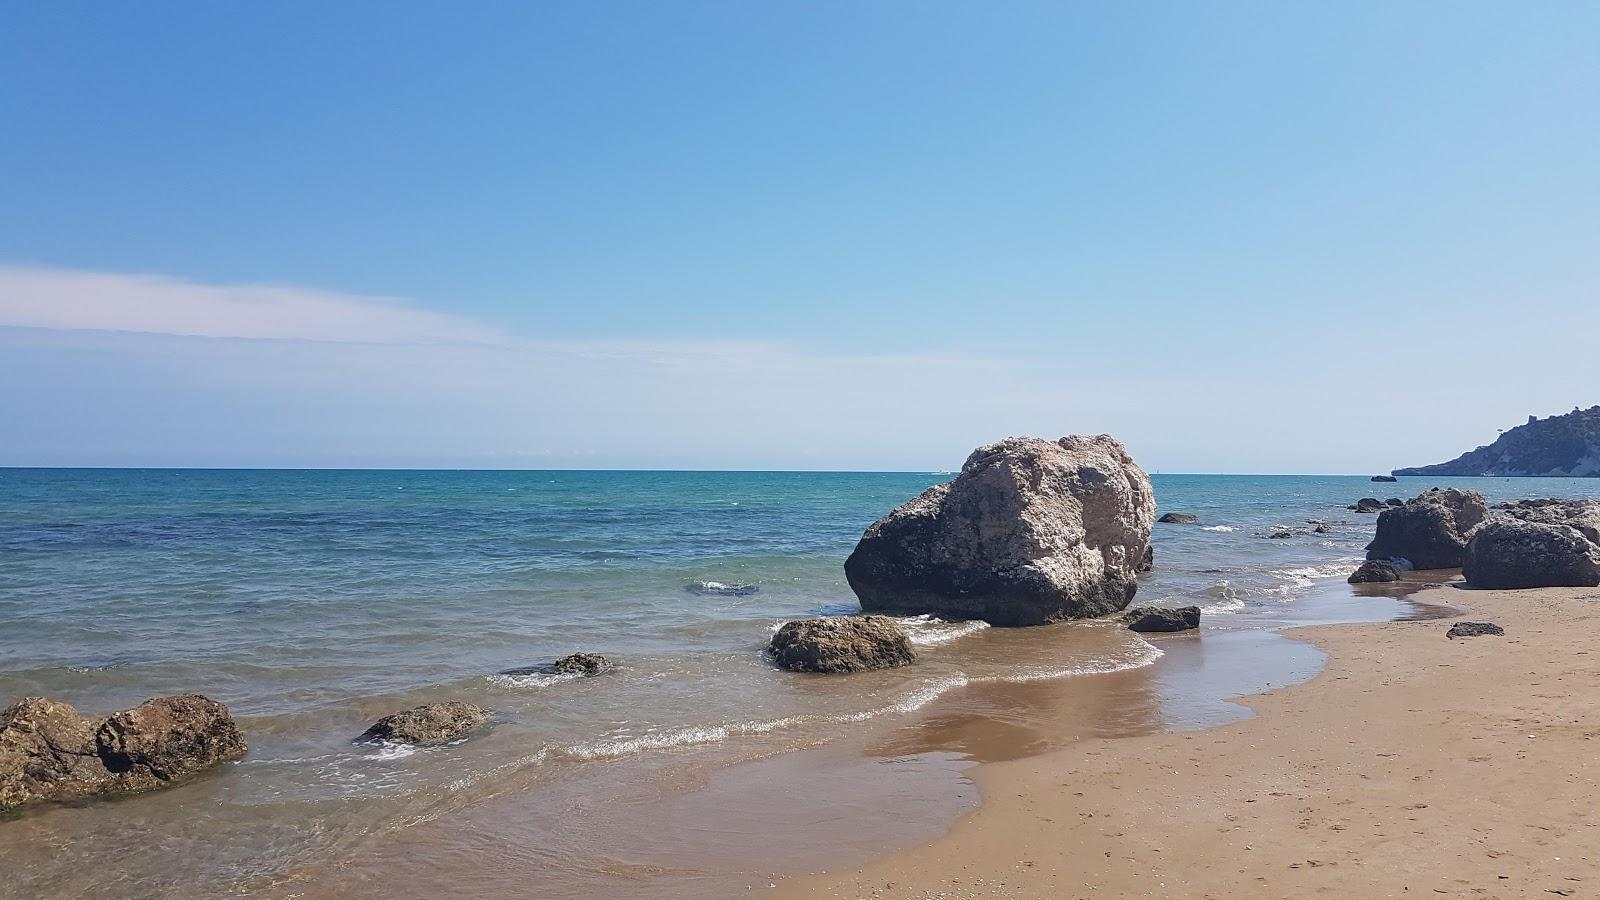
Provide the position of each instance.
(1430, 530)
(841, 644)
(49, 751)
(1031, 531)
(1510, 553)
(167, 738)
(1375, 571)
(1162, 618)
(431, 723)
(1583, 515)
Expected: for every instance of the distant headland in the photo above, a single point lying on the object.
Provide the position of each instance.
(1560, 446)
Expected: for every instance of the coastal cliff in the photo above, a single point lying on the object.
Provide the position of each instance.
(1566, 445)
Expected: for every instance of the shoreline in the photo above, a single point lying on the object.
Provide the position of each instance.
(1409, 765)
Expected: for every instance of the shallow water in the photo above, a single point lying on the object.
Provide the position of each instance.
(314, 602)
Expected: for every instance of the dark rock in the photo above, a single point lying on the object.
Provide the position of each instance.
(1374, 571)
(1567, 445)
(1510, 553)
(1280, 534)
(1384, 478)
(841, 644)
(1368, 505)
(1473, 629)
(1430, 529)
(1161, 618)
(1031, 531)
(1583, 515)
(1394, 501)
(1322, 529)
(1178, 519)
(48, 751)
(581, 664)
(718, 589)
(1148, 564)
(431, 723)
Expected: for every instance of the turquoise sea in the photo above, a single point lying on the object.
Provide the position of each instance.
(312, 602)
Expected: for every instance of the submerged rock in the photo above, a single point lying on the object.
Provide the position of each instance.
(841, 644)
(1473, 629)
(431, 723)
(1031, 531)
(1384, 478)
(1367, 505)
(49, 751)
(1178, 519)
(1323, 528)
(1281, 534)
(1510, 553)
(718, 589)
(1430, 530)
(581, 664)
(1375, 571)
(1161, 618)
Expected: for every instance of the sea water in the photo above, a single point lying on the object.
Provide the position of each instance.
(312, 602)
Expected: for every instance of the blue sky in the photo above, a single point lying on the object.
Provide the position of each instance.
(1240, 236)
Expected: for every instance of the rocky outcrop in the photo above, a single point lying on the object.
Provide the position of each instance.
(581, 664)
(1161, 618)
(1367, 505)
(1031, 531)
(1567, 445)
(1430, 530)
(841, 644)
(1582, 515)
(1384, 478)
(1178, 519)
(48, 751)
(431, 723)
(1511, 553)
(1473, 629)
(1375, 571)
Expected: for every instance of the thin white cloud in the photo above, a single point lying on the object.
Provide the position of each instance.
(70, 300)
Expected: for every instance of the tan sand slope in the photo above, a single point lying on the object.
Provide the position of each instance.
(1414, 766)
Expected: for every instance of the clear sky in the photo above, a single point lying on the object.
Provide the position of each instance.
(1274, 237)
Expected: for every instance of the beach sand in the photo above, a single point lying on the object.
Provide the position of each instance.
(1412, 766)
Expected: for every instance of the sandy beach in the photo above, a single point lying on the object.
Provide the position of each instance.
(1414, 765)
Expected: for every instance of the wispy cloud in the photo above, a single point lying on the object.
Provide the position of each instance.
(155, 304)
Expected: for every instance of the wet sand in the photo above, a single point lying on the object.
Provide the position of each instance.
(1412, 766)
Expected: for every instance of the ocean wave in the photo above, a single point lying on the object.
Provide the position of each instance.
(1302, 576)
(928, 631)
(1138, 656)
(720, 589)
(531, 679)
(1224, 529)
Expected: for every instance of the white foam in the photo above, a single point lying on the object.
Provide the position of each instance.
(532, 679)
(1140, 655)
(927, 631)
(1225, 529)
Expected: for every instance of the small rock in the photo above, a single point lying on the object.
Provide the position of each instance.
(1384, 478)
(1394, 501)
(1280, 534)
(1148, 563)
(1374, 571)
(1178, 519)
(841, 644)
(1162, 618)
(1322, 529)
(581, 664)
(1473, 629)
(1368, 505)
(431, 723)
